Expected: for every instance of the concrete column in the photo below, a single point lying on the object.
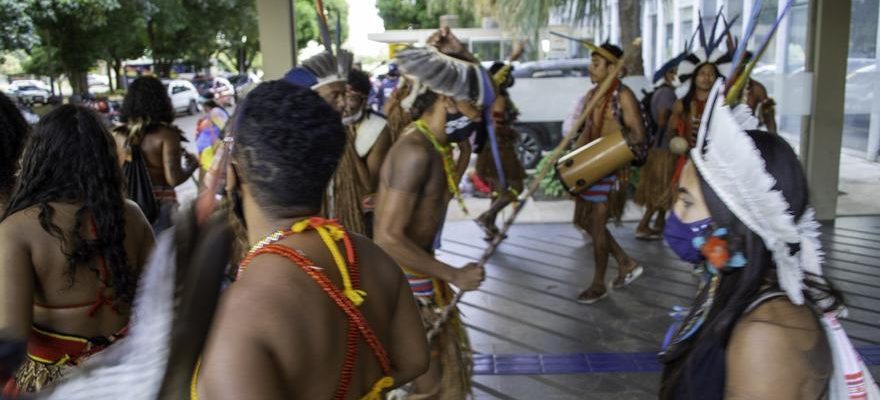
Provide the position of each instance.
(660, 34)
(647, 39)
(874, 126)
(676, 27)
(821, 146)
(277, 37)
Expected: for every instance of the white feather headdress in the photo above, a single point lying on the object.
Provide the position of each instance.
(443, 74)
(728, 160)
(329, 68)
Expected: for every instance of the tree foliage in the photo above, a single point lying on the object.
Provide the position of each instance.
(16, 26)
(424, 14)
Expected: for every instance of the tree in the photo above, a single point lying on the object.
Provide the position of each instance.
(527, 17)
(184, 30)
(16, 26)
(42, 63)
(123, 37)
(239, 37)
(424, 14)
(72, 29)
(307, 20)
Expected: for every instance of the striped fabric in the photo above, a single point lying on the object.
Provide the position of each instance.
(598, 193)
(421, 286)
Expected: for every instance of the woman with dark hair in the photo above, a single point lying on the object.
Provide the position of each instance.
(13, 130)
(763, 323)
(71, 249)
(148, 116)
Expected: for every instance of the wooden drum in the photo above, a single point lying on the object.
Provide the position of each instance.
(587, 165)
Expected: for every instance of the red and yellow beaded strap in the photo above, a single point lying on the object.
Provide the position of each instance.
(448, 163)
(357, 322)
(331, 232)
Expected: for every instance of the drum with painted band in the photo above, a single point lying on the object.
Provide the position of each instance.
(590, 163)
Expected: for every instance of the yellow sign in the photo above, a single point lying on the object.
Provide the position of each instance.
(393, 48)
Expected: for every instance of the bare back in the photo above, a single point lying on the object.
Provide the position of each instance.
(56, 304)
(413, 167)
(162, 153)
(278, 335)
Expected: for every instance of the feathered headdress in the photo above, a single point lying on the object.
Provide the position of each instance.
(730, 163)
(709, 51)
(673, 63)
(428, 68)
(328, 68)
(598, 49)
(449, 76)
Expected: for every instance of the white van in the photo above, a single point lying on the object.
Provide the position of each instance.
(184, 96)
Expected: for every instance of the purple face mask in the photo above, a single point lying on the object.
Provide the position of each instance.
(680, 237)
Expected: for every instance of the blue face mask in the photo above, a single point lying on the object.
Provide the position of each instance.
(680, 237)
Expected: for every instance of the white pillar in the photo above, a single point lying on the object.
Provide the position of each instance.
(615, 24)
(278, 43)
(676, 27)
(874, 126)
(647, 35)
(781, 58)
(660, 34)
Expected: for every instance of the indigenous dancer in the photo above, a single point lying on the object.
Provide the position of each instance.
(617, 111)
(369, 136)
(655, 177)
(763, 324)
(418, 178)
(316, 312)
(699, 70)
(504, 113)
(327, 74)
(148, 127)
(71, 250)
(209, 130)
(762, 105)
(13, 132)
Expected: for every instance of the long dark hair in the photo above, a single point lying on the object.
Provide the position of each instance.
(71, 158)
(13, 130)
(147, 99)
(692, 90)
(695, 368)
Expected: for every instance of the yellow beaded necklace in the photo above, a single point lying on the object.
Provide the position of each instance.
(448, 163)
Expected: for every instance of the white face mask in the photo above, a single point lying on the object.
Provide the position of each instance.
(352, 119)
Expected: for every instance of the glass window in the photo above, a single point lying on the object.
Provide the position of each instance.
(486, 50)
(861, 74)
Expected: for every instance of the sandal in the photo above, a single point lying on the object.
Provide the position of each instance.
(631, 276)
(647, 235)
(591, 295)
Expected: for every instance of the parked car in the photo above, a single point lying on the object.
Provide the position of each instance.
(545, 92)
(217, 88)
(242, 81)
(32, 95)
(184, 96)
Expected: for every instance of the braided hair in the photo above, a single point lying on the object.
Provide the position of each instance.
(71, 158)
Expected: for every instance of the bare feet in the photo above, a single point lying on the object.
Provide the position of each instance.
(488, 227)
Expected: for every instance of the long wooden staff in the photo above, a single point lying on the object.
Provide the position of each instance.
(554, 157)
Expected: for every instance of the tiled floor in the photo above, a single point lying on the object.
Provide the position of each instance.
(526, 306)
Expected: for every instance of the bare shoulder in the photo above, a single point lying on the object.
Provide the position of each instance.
(409, 149)
(678, 107)
(377, 260)
(778, 323)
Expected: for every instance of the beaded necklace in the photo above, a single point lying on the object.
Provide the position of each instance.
(448, 163)
(347, 300)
